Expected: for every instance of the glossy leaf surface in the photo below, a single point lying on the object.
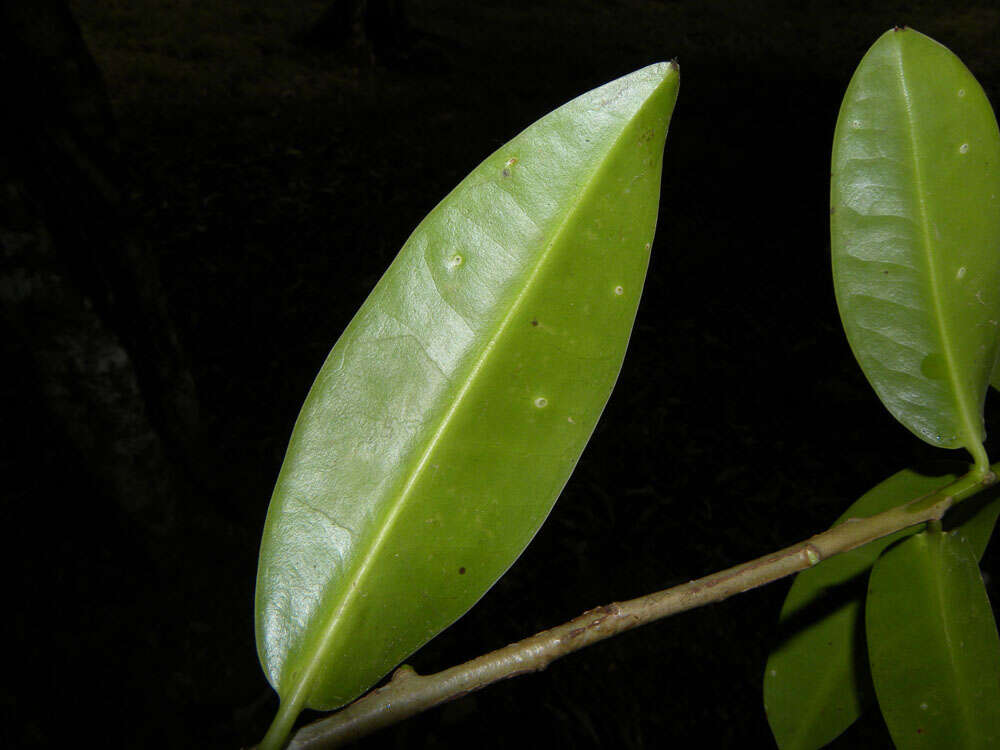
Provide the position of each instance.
(451, 412)
(915, 220)
(817, 681)
(933, 645)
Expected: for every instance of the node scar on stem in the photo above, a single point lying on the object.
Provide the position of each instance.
(405, 672)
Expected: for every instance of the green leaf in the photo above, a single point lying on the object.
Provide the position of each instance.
(817, 681)
(933, 645)
(915, 221)
(451, 412)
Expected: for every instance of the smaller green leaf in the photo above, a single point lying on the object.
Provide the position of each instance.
(915, 223)
(816, 682)
(933, 645)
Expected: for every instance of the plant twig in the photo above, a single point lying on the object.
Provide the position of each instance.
(408, 693)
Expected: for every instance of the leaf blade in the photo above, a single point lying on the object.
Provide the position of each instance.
(933, 645)
(915, 231)
(458, 400)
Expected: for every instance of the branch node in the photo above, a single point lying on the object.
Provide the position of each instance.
(812, 554)
(403, 673)
(575, 633)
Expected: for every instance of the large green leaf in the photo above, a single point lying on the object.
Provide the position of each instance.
(451, 412)
(933, 645)
(817, 681)
(915, 220)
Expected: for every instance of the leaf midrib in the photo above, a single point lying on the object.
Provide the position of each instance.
(940, 591)
(305, 681)
(964, 409)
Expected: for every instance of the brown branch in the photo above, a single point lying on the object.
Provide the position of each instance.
(408, 693)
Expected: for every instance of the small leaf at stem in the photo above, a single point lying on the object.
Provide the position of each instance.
(933, 645)
(915, 223)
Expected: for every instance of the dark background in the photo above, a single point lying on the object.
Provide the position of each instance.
(274, 181)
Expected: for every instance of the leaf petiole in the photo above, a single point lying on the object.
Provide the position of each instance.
(961, 489)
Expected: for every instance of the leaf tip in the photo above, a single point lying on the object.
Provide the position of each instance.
(661, 71)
